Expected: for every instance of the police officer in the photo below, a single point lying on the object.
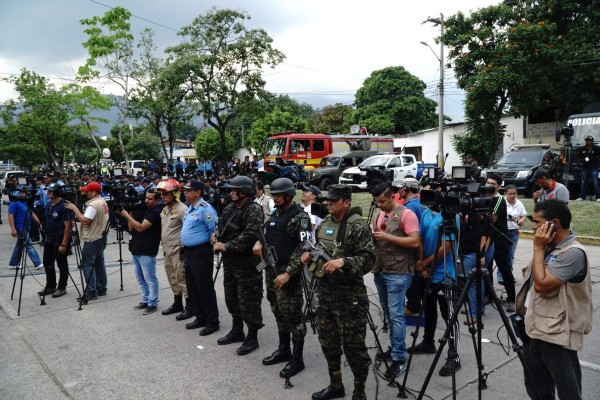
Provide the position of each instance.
(343, 301)
(56, 242)
(238, 232)
(285, 230)
(198, 225)
(171, 220)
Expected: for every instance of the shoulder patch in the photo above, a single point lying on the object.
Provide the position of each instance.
(203, 204)
(304, 223)
(208, 216)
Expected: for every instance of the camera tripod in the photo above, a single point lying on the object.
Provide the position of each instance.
(25, 242)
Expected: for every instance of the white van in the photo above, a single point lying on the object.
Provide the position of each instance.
(5, 176)
(135, 166)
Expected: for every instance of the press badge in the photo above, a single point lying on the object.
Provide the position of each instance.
(550, 259)
(272, 224)
(329, 232)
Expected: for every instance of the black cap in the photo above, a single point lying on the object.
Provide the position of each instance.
(589, 137)
(541, 173)
(195, 185)
(337, 192)
(311, 188)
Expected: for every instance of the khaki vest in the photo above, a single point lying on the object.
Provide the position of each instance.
(392, 259)
(563, 315)
(95, 230)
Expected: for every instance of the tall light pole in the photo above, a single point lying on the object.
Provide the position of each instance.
(439, 21)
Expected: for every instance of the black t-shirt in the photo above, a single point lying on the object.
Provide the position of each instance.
(54, 221)
(146, 243)
(501, 224)
(592, 154)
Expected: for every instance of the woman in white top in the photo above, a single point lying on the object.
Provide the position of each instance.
(516, 214)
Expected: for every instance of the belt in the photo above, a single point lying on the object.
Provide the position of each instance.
(196, 246)
(513, 230)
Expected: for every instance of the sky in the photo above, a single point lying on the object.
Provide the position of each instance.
(331, 46)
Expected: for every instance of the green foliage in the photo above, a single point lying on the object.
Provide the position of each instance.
(143, 146)
(391, 100)
(275, 121)
(336, 118)
(208, 145)
(220, 61)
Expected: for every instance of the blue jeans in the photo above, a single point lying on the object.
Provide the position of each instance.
(392, 293)
(586, 176)
(469, 261)
(145, 272)
(514, 237)
(15, 258)
(92, 265)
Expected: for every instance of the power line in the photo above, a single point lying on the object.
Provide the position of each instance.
(138, 17)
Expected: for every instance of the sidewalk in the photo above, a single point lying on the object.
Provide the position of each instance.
(110, 351)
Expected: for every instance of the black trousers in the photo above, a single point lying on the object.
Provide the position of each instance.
(414, 294)
(554, 369)
(501, 258)
(51, 255)
(202, 299)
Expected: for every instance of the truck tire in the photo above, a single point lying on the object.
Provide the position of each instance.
(325, 183)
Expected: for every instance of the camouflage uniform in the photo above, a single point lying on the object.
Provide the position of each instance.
(343, 301)
(241, 281)
(286, 302)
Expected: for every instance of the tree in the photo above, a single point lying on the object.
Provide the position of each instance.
(276, 121)
(336, 118)
(110, 57)
(143, 146)
(208, 145)
(392, 100)
(504, 61)
(221, 60)
(37, 118)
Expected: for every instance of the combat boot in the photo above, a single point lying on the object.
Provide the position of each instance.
(250, 344)
(297, 363)
(334, 390)
(283, 352)
(359, 391)
(176, 307)
(235, 335)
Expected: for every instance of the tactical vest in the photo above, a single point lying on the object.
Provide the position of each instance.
(561, 316)
(341, 282)
(234, 227)
(276, 234)
(393, 259)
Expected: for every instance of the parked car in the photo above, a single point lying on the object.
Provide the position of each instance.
(401, 164)
(518, 166)
(332, 166)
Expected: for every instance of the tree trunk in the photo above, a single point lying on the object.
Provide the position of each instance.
(92, 136)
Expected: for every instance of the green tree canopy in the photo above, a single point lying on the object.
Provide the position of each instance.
(208, 145)
(392, 100)
(275, 121)
(144, 146)
(219, 61)
(336, 118)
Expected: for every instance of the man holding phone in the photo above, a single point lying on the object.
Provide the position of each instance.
(556, 301)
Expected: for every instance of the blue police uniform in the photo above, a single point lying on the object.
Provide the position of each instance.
(198, 225)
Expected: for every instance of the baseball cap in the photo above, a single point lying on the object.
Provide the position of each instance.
(311, 188)
(195, 185)
(589, 137)
(92, 187)
(411, 183)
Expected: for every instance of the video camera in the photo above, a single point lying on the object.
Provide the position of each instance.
(458, 194)
(376, 175)
(567, 131)
(125, 196)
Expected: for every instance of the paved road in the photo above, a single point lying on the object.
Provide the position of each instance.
(110, 351)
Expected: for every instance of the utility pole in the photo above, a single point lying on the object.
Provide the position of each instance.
(439, 21)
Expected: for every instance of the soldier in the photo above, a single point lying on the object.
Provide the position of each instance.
(285, 230)
(342, 316)
(238, 232)
(171, 221)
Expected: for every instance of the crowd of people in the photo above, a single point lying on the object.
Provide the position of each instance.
(217, 221)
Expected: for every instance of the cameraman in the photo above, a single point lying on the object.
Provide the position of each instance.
(94, 228)
(19, 219)
(145, 239)
(56, 243)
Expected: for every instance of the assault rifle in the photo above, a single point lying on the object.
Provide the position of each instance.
(269, 255)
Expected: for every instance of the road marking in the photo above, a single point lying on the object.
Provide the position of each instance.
(589, 365)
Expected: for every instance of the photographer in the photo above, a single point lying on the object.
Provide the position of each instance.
(556, 300)
(94, 227)
(145, 239)
(19, 219)
(56, 243)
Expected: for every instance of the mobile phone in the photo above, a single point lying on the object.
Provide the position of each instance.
(553, 226)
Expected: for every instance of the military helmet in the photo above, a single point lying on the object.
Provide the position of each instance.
(284, 186)
(243, 184)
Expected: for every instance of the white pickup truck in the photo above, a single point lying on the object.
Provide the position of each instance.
(401, 164)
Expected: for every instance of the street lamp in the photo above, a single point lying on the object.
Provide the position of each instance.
(440, 156)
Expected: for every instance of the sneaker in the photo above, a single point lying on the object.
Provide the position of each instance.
(140, 306)
(510, 307)
(446, 370)
(396, 368)
(150, 310)
(94, 297)
(580, 199)
(40, 266)
(13, 267)
(59, 293)
(385, 356)
(423, 348)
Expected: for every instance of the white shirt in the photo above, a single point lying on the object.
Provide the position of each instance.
(314, 220)
(517, 211)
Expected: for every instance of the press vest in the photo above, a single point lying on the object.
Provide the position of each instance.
(96, 229)
(563, 315)
(276, 235)
(393, 259)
